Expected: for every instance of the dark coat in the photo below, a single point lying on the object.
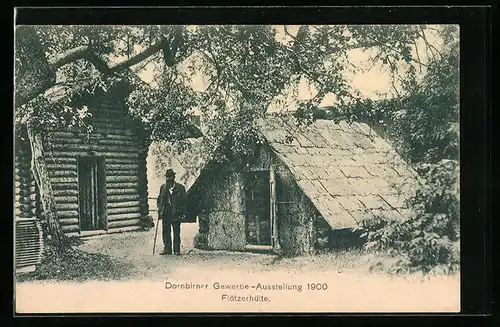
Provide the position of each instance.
(178, 202)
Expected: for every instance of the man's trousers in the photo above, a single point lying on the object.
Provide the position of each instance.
(169, 226)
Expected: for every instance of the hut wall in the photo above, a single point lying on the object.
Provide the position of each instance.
(294, 217)
(124, 155)
(220, 207)
(226, 217)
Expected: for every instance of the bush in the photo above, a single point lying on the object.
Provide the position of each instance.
(201, 241)
(428, 241)
(147, 222)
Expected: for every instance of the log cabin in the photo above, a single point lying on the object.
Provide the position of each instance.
(98, 176)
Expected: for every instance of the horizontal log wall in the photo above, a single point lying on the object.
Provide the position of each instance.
(124, 159)
(24, 184)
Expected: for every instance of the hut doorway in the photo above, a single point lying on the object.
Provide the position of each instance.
(258, 220)
(91, 193)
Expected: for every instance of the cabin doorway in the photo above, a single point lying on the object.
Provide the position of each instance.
(258, 220)
(92, 193)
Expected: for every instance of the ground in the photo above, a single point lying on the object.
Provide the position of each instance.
(139, 285)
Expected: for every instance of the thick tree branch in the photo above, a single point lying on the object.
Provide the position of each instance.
(139, 57)
(68, 56)
(145, 63)
(87, 53)
(81, 52)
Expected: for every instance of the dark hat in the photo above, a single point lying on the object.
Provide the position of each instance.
(169, 173)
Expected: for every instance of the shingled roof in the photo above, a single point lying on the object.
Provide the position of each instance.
(351, 174)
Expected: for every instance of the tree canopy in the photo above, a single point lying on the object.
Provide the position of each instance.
(233, 74)
(243, 69)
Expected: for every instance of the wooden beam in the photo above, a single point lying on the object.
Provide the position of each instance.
(123, 173)
(127, 210)
(67, 206)
(119, 185)
(70, 192)
(96, 147)
(70, 154)
(117, 167)
(66, 199)
(68, 214)
(124, 216)
(123, 223)
(126, 179)
(61, 166)
(63, 173)
(68, 221)
(124, 204)
(63, 180)
(122, 191)
(122, 198)
(72, 185)
(70, 228)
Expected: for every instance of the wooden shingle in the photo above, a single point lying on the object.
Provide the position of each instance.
(373, 202)
(350, 203)
(338, 187)
(341, 220)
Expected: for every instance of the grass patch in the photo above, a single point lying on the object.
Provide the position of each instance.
(75, 265)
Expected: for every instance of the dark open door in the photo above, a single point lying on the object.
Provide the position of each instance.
(92, 193)
(258, 220)
(273, 212)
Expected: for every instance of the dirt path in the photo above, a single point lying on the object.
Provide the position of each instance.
(135, 250)
(349, 287)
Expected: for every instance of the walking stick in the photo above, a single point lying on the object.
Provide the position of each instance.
(156, 233)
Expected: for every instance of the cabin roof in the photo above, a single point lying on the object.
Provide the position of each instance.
(350, 174)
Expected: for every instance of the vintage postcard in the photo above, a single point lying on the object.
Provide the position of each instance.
(236, 168)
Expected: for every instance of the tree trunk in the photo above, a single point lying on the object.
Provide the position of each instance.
(31, 70)
(42, 180)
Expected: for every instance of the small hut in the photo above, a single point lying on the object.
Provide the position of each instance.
(98, 177)
(307, 188)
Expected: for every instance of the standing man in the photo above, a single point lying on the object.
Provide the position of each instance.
(171, 210)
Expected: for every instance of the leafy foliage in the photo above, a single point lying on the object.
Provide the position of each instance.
(245, 67)
(423, 122)
(201, 241)
(426, 130)
(428, 240)
(429, 117)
